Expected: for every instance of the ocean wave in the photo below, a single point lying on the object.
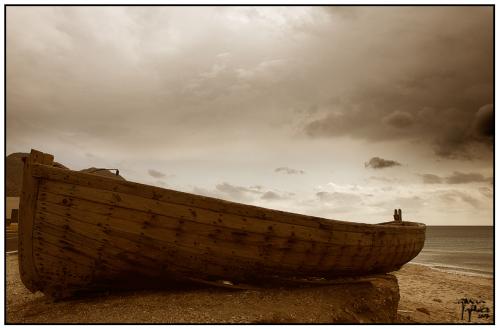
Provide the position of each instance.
(456, 269)
(484, 251)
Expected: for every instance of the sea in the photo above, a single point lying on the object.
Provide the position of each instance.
(464, 250)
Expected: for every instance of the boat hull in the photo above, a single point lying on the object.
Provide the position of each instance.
(80, 231)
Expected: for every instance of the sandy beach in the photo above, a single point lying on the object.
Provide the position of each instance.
(430, 296)
(426, 296)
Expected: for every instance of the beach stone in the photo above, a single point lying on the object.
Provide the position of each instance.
(374, 301)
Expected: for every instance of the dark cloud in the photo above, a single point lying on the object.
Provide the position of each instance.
(484, 122)
(451, 133)
(459, 177)
(288, 170)
(156, 174)
(456, 178)
(427, 99)
(67, 77)
(399, 119)
(431, 178)
(378, 163)
(453, 141)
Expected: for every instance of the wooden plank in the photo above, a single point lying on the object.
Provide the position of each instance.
(249, 224)
(330, 263)
(107, 265)
(363, 252)
(138, 257)
(98, 214)
(312, 256)
(208, 203)
(27, 205)
(192, 236)
(152, 258)
(221, 250)
(57, 268)
(78, 246)
(84, 211)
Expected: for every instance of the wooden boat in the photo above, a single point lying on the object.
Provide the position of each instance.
(79, 231)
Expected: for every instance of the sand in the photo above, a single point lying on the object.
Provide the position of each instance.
(426, 296)
(430, 296)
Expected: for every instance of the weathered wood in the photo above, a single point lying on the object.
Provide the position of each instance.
(369, 250)
(187, 235)
(156, 231)
(251, 224)
(203, 202)
(27, 210)
(148, 257)
(129, 239)
(238, 230)
(86, 231)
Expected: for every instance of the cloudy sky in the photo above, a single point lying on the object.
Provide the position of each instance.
(339, 112)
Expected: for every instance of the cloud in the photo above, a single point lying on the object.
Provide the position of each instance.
(160, 183)
(484, 123)
(231, 192)
(271, 195)
(452, 197)
(156, 174)
(459, 177)
(486, 191)
(456, 178)
(381, 179)
(237, 192)
(206, 192)
(431, 178)
(426, 99)
(378, 163)
(288, 170)
(338, 197)
(251, 194)
(179, 80)
(399, 119)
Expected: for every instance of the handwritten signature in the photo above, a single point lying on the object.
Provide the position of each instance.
(471, 306)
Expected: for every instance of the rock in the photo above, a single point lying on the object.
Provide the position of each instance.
(437, 300)
(14, 173)
(423, 310)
